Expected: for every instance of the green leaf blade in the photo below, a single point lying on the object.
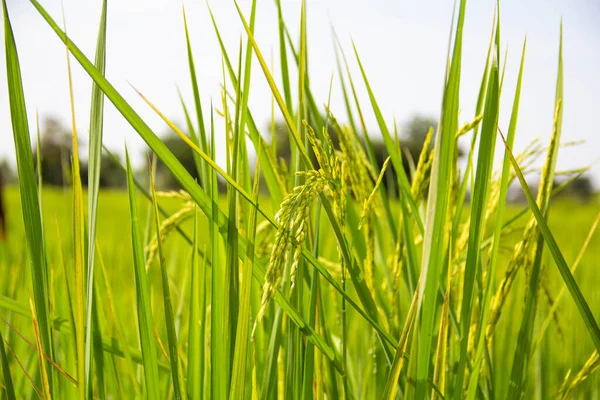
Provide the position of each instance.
(145, 319)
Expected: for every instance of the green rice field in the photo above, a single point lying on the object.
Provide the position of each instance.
(306, 277)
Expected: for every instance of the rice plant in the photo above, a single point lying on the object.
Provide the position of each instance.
(308, 279)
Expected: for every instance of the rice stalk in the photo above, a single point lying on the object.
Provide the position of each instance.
(591, 365)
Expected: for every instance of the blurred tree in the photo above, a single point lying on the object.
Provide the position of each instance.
(412, 138)
(183, 153)
(582, 187)
(284, 141)
(111, 174)
(7, 172)
(56, 151)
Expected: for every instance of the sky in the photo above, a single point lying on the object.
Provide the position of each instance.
(402, 44)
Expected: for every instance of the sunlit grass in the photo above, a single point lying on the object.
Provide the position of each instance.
(314, 281)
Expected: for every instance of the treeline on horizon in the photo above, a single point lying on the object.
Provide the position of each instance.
(53, 150)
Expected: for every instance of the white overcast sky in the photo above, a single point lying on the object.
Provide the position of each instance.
(402, 45)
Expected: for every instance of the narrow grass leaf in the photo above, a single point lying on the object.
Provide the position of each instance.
(142, 288)
(479, 205)
(9, 389)
(94, 169)
(202, 141)
(78, 251)
(40, 352)
(195, 353)
(28, 189)
(391, 385)
(167, 304)
(285, 75)
(239, 375)
(439, 193)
